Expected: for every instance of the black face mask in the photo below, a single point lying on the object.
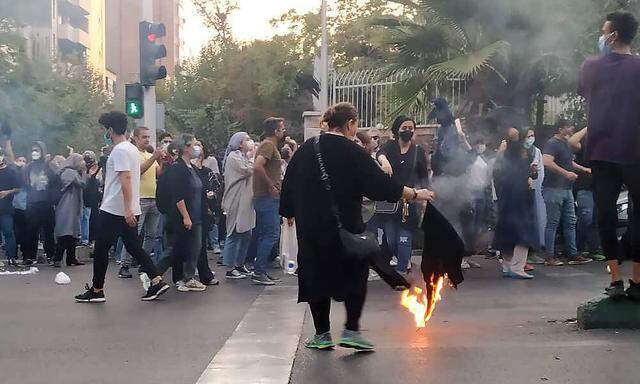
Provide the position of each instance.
(406, 136)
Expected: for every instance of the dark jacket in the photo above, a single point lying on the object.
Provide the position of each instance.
(323, 271)
(181, 184)
(40, 180)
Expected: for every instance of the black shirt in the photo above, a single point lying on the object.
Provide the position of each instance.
(9, 179)
(410, 168)
(563, 156)
(585, 180)
(609, 83)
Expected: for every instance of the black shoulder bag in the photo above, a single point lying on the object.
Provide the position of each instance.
(356, 246)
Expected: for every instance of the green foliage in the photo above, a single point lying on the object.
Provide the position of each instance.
(58, 104)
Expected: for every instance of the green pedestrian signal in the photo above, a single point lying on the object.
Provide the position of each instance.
(134, 100)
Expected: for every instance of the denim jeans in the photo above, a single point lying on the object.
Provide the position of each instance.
(236, 248)
(84, 225)
(560, 208)
(399, 240)
(267, 230)
(587, 235)
(6, 227)
(147, 224)
(213, 236)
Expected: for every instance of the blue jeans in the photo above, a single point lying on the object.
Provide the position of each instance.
(560, 208)
(213, 235)
(399, 240)
(6, 226)
(587, 235)
(84, 225)
(267, 230)
(235, 249)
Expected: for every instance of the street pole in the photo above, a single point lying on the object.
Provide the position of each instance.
(324, 60)
(149, 119)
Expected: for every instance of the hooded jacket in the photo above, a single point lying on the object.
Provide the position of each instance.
(39, 178)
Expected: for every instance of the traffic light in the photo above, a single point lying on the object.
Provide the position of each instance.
(150, 52)
(134, 100)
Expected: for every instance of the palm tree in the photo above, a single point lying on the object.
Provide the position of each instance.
(431, 49)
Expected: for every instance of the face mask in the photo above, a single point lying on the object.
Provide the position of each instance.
(603, 46)
(406, 136)
(528, 142)
(35, 155)
(107, 138)
(165, 146)
(197, 151)
(481, 149)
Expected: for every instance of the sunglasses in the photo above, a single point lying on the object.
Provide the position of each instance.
(375, 137)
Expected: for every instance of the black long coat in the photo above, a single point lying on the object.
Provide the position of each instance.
(323, 271)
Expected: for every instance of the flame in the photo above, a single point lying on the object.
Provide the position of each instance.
(422, 304)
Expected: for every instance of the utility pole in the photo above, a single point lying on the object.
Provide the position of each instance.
(149, 120)
(324, 60)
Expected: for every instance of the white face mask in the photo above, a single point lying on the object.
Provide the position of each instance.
(529, 141)
(481, 148)
(197, 151)
(35, 155)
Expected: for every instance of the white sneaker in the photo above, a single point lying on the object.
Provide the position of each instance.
(373, 276)
(465, 265)
(192, 285)
(394, 262)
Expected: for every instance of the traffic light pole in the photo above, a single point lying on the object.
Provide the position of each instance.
(149, 120)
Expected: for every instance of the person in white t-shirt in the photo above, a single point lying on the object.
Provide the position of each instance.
(119, 211)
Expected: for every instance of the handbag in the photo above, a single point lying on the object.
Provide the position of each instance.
(356, 246)
(387, 208)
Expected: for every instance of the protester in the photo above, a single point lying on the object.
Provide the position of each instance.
(119, 211)
(19, 216)
(237, 204)
(587, 236)
(609, 83)
(212, 236)
(40, 181)
(91, 197)
(148, 222)
(558, 195)
(9, 186)
(267, 181)
(325, 271)
(186, 215)
(537, 164)
(73, 180)
(409, 167)
(209, 185)
(515, 232)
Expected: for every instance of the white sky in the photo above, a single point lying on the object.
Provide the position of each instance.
(250, 22)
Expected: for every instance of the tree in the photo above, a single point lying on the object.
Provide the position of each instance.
(58, 104)
(216, 14)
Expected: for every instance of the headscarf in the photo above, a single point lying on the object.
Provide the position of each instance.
(234, 145)
(73, 161)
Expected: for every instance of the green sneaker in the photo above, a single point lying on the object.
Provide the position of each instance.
(597, 256)
(323, 341)
(353, 339)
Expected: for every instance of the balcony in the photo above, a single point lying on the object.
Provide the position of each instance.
(73, 35)
(76, 7)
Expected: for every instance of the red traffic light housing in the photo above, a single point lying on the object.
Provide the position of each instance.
(150, 52)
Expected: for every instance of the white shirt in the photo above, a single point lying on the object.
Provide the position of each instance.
(124, 157)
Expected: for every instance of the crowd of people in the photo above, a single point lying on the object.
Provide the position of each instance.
(165, 205)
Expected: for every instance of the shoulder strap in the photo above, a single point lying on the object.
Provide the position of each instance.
(326, 181)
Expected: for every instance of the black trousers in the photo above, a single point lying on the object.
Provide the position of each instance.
(40, 218)
(66, 244)
(204, 271)
(112, 227)
(320, 310)
(608, 179)
(20, 231)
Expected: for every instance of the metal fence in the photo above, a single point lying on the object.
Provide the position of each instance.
(372, 94)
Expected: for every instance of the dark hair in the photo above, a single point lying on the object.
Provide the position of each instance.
(562, 123)
(138, 130)
(164, 135)
(625, 24)
(115, 120)
(339, 115)
(364, 137)
(270, 125)
(397, 123)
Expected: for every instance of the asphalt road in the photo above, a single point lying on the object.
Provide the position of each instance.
(45, 337)
(492, 330)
